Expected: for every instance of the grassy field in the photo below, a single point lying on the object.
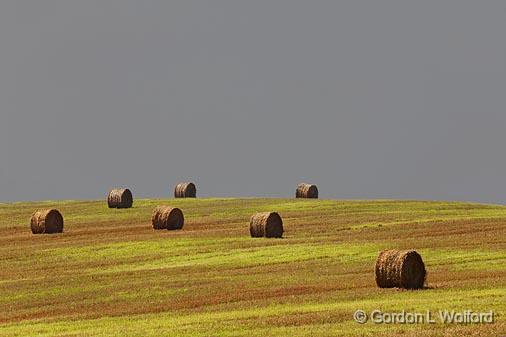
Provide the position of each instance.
(111, 274)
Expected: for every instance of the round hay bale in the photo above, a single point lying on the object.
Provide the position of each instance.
(166, 217)
(120, 198)
(267, 224)
(306, 191)
(185, 190)
(401, 269)
(46, 221)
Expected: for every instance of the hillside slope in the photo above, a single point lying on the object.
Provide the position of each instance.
(111, 274)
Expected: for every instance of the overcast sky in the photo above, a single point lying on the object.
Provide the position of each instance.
(366, 99)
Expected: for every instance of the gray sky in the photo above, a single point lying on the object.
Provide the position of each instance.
(367, 99)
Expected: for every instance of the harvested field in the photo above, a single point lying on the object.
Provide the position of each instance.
(111, 274)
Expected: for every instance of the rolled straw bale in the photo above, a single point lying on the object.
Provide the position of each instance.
(47, 221)
(267, 224)
(120, 198)
(185, 190)
(401, 269)
(166, 217)
(306, 191)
